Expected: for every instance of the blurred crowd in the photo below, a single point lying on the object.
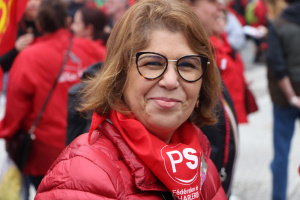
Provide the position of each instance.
(50, 27)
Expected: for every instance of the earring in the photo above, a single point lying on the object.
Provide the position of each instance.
(197, 103)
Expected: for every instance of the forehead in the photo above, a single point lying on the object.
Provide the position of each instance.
(168, 43)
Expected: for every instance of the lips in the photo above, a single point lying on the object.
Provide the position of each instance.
(164, 102)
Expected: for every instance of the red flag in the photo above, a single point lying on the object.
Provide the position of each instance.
(11, 12)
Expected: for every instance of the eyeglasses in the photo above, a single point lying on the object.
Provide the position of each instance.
(152, 65)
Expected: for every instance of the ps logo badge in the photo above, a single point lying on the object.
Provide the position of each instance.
(181, 164)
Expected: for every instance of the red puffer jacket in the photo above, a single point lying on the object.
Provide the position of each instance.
(106, 168)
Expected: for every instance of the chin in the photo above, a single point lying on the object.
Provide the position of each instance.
(164, 129)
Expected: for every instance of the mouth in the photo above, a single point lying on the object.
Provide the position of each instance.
(164, 102)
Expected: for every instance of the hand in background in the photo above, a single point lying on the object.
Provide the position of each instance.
(295, 102)
(23, 41)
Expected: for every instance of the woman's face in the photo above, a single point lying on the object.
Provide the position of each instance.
(31, 10)
(78, 27)
(208, 12)
(163, 104)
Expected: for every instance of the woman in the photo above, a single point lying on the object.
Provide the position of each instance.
(33, 74)
(25, 36)
(158, 79)
(89, 23)
(231, 67)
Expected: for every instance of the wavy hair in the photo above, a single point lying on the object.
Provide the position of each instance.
(130, 35)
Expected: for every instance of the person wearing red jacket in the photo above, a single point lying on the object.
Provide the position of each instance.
(157, 83)
(33, 74)
(231, 67)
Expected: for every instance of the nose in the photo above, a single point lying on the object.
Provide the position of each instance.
(170, 79)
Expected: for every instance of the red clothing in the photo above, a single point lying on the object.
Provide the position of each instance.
(107, 168)
(232, 71)
(261, 13)
(1, 79)
(30, 79)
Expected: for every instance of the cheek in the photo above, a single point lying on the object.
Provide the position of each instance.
(193, 93)
(79, 30)
(133, 89)
(136, 90)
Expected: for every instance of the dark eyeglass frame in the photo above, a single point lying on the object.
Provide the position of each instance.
(204, 63)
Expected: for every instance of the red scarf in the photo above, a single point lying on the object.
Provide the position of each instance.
(179, 164)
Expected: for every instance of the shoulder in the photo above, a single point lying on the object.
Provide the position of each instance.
(279, 22)
(41, 46)
(90, 48)
(88, 170)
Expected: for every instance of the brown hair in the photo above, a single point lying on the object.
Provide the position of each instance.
(97, 19)
(275, 7)
(52, 15)
(131, 34)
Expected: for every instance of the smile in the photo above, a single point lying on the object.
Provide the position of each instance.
(165, 102)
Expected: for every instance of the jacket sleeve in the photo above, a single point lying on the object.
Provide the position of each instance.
(7, 59)
(20, 90)
(81, 172)
(236, 36)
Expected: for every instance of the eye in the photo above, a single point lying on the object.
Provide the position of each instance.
(186, 65)
(189, 63)
(151, 62)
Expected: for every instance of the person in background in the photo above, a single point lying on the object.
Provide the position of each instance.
(256, 17)
(233, 28)
(284, 86)
(33, 74)
(237, 7)
(114, 10)
(26, 33)
(223, 136)
(158, 80)
(79, 123)
(89, 23)
(231, 67)
(74, 5)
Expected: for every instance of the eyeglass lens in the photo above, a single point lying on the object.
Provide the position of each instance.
(151, 66)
